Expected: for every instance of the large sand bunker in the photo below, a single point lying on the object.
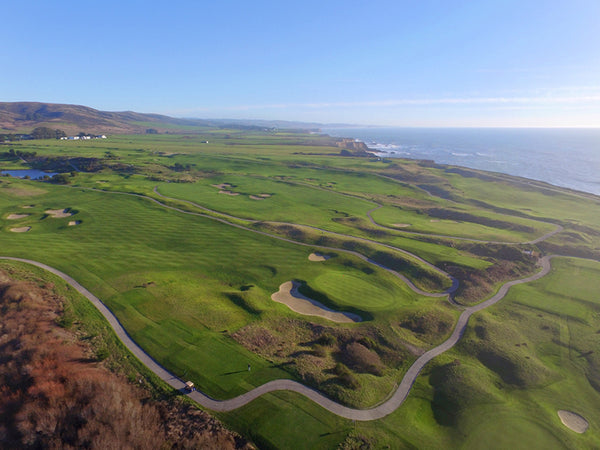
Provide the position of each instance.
(59, 213)
(318, 257)
(17, 216)
(573, 421)
(20, 229)
(288, 295)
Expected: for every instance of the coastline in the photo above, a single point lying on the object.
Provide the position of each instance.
(527, 156)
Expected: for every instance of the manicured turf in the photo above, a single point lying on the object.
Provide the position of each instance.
(182, 285)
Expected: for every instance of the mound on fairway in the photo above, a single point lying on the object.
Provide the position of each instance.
(318, 257)
(573, 421)
(58, 213)
(288, 295)
(17, 216)
(20, 229)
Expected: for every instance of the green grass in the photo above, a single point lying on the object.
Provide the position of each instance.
(182, 284)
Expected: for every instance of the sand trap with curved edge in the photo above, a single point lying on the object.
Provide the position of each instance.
(573, 421)
(27, 206)
(288, 295)
(318, 257)
(264, 195)
(401, 225)
(17, 216)
(20, 229)
(58, 213)
(221, 186)
(72, 223)
(254, 197)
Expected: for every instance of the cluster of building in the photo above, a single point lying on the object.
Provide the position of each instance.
(76, 138)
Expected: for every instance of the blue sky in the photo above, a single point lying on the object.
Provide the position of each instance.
(401, 63)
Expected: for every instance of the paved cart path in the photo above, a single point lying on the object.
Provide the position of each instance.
(378, 412)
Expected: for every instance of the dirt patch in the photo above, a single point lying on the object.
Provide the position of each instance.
(20, 229)
(221, 186)
(58, 213)
(573, 421)
(401, 225)
(318, 257)
(17, 216)
(288, 295)
(73, 223)
(229, 193)
(254, 197)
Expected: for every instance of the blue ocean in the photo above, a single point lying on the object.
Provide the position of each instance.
(562, 157)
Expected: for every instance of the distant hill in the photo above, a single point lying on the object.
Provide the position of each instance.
(22, 117)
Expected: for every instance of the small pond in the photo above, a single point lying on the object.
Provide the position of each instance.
(31, 173)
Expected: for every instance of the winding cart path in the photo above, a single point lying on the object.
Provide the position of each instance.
(389, 406)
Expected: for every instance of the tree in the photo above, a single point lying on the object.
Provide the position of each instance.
(43, 133)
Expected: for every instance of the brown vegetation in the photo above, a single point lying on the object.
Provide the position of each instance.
(55, 394)
(327, 358)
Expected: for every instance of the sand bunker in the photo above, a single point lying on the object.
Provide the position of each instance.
(318, 257)
(221, 186)
(27, 206)
(229, 193)
(17, 216)
(434, 220)
(72, 223)
(401, 225)
(264, 195)
(573, 421)
(20, 229)
(288, 295)
(254, 197)
(58, 213)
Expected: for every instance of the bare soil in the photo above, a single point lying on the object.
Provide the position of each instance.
(58, 213)
(318, 257)
(288, 295)
(573, 421)
(20, 229)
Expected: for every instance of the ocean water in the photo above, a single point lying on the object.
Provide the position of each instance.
(562, 157)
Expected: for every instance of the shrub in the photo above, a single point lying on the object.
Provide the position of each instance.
(346, 377)
(362, 359)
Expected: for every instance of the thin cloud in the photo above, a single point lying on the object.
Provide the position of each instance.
(427, 101)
